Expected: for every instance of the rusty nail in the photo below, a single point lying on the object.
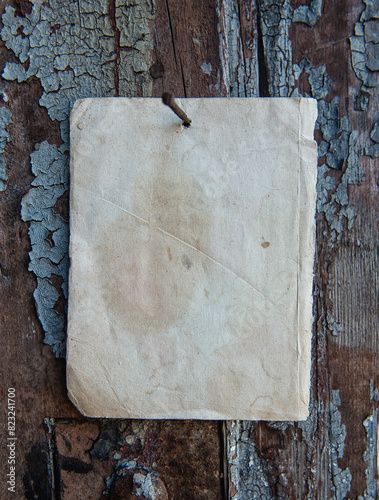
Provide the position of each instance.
(168, 99)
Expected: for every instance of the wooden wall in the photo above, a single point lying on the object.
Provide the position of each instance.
(56, 51)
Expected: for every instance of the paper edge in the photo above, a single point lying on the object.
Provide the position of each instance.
(307, 202)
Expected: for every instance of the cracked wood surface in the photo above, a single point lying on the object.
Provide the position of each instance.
(53, 53)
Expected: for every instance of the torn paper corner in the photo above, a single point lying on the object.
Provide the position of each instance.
(191, 258)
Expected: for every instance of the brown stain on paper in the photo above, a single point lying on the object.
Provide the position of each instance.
(153, 268)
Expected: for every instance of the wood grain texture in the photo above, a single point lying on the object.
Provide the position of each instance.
(206, 48)
(186, 47)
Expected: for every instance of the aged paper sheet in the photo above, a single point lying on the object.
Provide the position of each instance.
(192, 251)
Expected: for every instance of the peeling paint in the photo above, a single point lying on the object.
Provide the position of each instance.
(281, 426)
(341, 479)
(338, 149)
(374, 392)
(247, 475)
(5, 136)
(238, 50)
(334, 129)
(373, 151)
(370, 456)
(335, 203)
(149, 486)
(207, 68)
(335, 133)
(308, 14)
(276, 18)
(364, 48)
(309, 426)
(333, 326)
(76, 49)
(70, 47)
(318, 78)
(140, 482)
(48, 234)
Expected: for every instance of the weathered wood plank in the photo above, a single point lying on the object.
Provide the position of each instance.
(185, 54)
(119, 59)
(349, 281)
(238, 42)
(330, 455)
